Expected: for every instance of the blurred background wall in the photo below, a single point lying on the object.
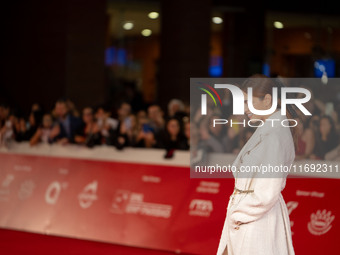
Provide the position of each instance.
(101, 51)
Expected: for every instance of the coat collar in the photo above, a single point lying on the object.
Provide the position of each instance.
(268, 127)
(272, 122)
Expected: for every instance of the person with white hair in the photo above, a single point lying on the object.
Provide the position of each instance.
(175, 106)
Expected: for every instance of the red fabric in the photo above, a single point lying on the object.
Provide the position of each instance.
(117, 209)
(24, 243)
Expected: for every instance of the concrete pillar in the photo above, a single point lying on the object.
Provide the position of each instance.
(184, 48)
(85, 58)
(243, 41)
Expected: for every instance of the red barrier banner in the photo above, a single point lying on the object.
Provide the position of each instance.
(146, 205)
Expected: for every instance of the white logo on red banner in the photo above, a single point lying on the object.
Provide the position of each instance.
(320, 222)
(291, 206)
(199, 207)
(26, 189)
(151, 178)
(133, 203)
(24, 168)
(7, 181)
(88, 195)
(303, 193)
(4, 188)
(63, 171)
(53, 192)
(208, 187)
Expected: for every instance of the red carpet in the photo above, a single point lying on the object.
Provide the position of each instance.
(23, 243)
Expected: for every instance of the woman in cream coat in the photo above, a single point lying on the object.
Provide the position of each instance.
(257, 220)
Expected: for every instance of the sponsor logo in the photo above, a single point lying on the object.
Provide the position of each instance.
(129, 202)
(4, 189)
(320, 222)
(120, 201)
(303, 193)
(88, 195)
(291, 206)
(23, 168)
(151, 178)
(26, 189)
(208, 187)
(63, 171)
(53, 191)
(7, 181)
(199, 207)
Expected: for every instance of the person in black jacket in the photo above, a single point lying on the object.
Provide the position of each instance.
(89, 135)
(68, 124)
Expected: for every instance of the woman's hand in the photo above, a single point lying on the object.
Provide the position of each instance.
(79, 139)
(55, 131)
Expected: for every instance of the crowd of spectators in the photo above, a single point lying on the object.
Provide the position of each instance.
(154, 128)
(149, 128)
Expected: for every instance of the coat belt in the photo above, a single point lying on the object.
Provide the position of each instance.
(236, 190)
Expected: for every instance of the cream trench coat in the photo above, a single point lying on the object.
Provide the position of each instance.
(258, 223)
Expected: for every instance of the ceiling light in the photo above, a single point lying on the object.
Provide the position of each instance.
(128, 25)
(278, 24)
(217, 20)
(146, 32)
(153, 15)
(324, 78)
